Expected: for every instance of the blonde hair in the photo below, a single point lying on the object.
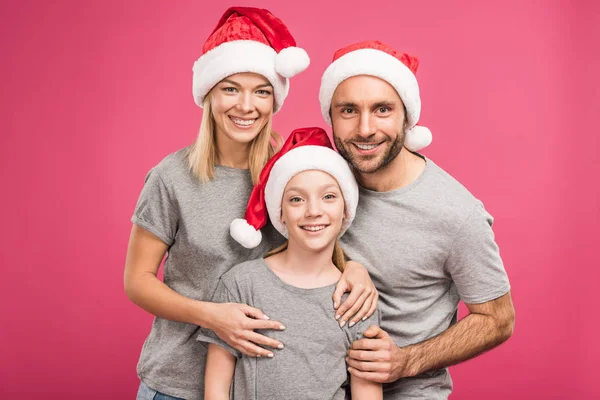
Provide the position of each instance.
(338, 257)
(203, 154)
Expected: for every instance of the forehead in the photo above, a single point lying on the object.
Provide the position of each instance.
(248, 78)
(364, 89)
(312, 179)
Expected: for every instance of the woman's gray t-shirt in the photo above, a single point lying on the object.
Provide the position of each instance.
(193, 219)
(312, 364)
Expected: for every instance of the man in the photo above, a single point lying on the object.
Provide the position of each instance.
(426, 241)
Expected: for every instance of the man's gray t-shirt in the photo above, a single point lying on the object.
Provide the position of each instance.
(193, 219)
(426, 246)
(312, 365)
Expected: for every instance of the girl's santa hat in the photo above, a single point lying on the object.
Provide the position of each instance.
(305, 149)
(249, 39)
(377, 59)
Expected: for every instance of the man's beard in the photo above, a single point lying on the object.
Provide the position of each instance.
(358, 161)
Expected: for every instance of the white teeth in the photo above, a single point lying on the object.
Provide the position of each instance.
(243, 122)
(314, 228)
(366, 146)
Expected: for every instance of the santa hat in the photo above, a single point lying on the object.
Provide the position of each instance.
(248, 39)
(305, 149)
(377, 59)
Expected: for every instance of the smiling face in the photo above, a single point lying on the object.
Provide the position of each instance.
(241, 105)
(368, 120)
(312, 209)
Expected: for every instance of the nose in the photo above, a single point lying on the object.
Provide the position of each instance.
(245, 104)
(366, 124)
(313, 209)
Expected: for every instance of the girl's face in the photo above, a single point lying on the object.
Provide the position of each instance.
(241, 105)
(312, 209)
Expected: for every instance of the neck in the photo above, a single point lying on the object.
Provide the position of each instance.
(305, 268)
(231, 153)
(401, 171)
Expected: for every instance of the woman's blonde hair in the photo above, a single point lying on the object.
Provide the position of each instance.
(338, 257)
(203, 154)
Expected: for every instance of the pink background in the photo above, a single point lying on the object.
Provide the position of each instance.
(95, 93)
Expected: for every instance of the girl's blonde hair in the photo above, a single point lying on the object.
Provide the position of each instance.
(203, 154)
(338, 257)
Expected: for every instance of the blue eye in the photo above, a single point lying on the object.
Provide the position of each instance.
(329, 196)
(263, 92)
(295, 199)
(230, 89)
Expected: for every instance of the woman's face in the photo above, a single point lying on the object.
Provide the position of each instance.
(241, 105)
(312, 209)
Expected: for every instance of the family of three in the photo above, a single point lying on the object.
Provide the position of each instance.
(343, 277)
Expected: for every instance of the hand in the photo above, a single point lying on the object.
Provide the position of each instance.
(377, 358)
(235, 324)
(362, 301)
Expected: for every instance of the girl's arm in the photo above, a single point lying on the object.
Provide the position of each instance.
(362, 389)
(220, 366)
(234, 323)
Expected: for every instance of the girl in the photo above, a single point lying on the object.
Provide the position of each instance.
(311, 196)
(191, 195)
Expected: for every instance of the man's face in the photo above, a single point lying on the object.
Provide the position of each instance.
(368, 121)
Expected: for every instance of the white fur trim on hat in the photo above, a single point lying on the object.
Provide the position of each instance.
(375, 63)
(291, 61)
(235, 57)
(244, 233)
(307, 158)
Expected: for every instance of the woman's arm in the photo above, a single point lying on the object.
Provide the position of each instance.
(234, 323)
(362, 301)
(220, 366)
(362, 389)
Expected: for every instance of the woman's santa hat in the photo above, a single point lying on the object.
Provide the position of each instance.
(305, 149)
(248, 39)
(377, 59)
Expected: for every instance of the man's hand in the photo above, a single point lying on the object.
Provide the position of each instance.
(362, 301)
(377, 358)
(235, 324)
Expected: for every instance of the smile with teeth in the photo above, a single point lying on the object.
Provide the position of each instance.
(365, 146)
(242, 122)
(313, 228)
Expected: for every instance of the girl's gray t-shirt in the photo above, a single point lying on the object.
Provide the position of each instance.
(312, 364)
(193, 219)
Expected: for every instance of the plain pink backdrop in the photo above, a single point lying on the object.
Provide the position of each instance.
(94, 93)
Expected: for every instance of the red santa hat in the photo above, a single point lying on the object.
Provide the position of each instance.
(248, 39)
(305, 149)
(377, 59)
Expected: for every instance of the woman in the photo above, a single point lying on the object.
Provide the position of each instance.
(311, 197)
(190, 197)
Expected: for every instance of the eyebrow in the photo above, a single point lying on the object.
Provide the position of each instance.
(234, 83)
(324, 187)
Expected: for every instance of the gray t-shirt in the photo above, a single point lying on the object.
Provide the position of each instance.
(193, 219)
(312, 365)
(427, 246)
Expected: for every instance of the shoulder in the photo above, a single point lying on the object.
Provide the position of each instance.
(451, 198)
(243, 273)
(172, 165)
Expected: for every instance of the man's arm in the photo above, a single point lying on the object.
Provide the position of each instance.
(378, 359)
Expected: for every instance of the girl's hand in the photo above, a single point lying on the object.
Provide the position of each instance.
(235, 324)
(362, 301)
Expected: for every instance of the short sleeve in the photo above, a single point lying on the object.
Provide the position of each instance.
(356, 332)
(156, 210)
(222, 295)
(474, 261)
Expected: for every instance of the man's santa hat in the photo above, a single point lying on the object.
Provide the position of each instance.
(248, 39)
(305, 149)
(377, 59)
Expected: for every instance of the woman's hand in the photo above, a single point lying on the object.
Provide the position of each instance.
(235, 324)
(362, 301)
